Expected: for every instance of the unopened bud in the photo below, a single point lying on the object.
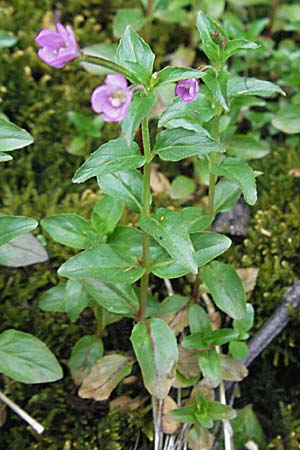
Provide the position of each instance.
(218, 38)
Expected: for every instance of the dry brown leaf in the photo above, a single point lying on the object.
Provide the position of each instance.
(179, 320)
(232, 370)
(129, 380)
(200, 438)
(188, 362)
(250, 445)
(294, 172)
(204, 388)
(158, 182)
(169, 425)
(215, 320)
(124, 403)
(248, 277)
(105, 375)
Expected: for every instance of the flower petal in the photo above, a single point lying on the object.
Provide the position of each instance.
(49, 38)
(99, 99)
(116, 81)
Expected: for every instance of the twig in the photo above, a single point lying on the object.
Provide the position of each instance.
(23, 414)
(157, 406)
(275, 324)
(227, 430)
(169, 286)
(271, 328)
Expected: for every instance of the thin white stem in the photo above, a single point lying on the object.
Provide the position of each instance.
(169, 286)
(23, 414)
(226, 424)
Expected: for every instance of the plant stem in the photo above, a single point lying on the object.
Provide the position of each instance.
(145, 213)
(23, 414)
(109, 65)
(212, 160)
(226, 424)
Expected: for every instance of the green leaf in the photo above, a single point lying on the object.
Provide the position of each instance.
(139, 109)
(290, 13)
(4, 157)
(287, 119)
(218, 411)
(77, 146)
(239, 350)
(199, 321)
(105, 376)
(210, 366)
(124, 185)
(182, 187)
(12, 226)
(222, 336)
(203, 339)
(84, 124)
(195, 219)
(25, 358)
(218, 86)
(168, 229)
(206, 26)
(171, 74)
(110, 157)
(252, 86)
(105, 51)
(240, 172)
(69, 229)
(177, 144)
(128, 16)
(70, 298)
(135, 55)
(127, 241)
(155, 346)
(227, 193)
(244, 325)
(116, 298)
(7, 40)
(240, 3)
(164, 267)
(195, 341)
(246, 427)
(248, 147)
(226, 288)
(233, 46)
(209, 245)
(187, 115)
(102, 263)
(54, 299)
(185, 414)
(171, 305)
(215, 9)
(13, 137)
(21, 251)
(87, 350)
(106, 214)
(76, 299)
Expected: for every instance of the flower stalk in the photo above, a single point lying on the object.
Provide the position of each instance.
(145, 213)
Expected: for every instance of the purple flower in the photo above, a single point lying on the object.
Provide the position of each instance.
(187, 89)
(57, 47)
(112, 99)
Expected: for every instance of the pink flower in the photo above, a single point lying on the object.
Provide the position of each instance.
(57, 47)
(187, 89)
(112, 99)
